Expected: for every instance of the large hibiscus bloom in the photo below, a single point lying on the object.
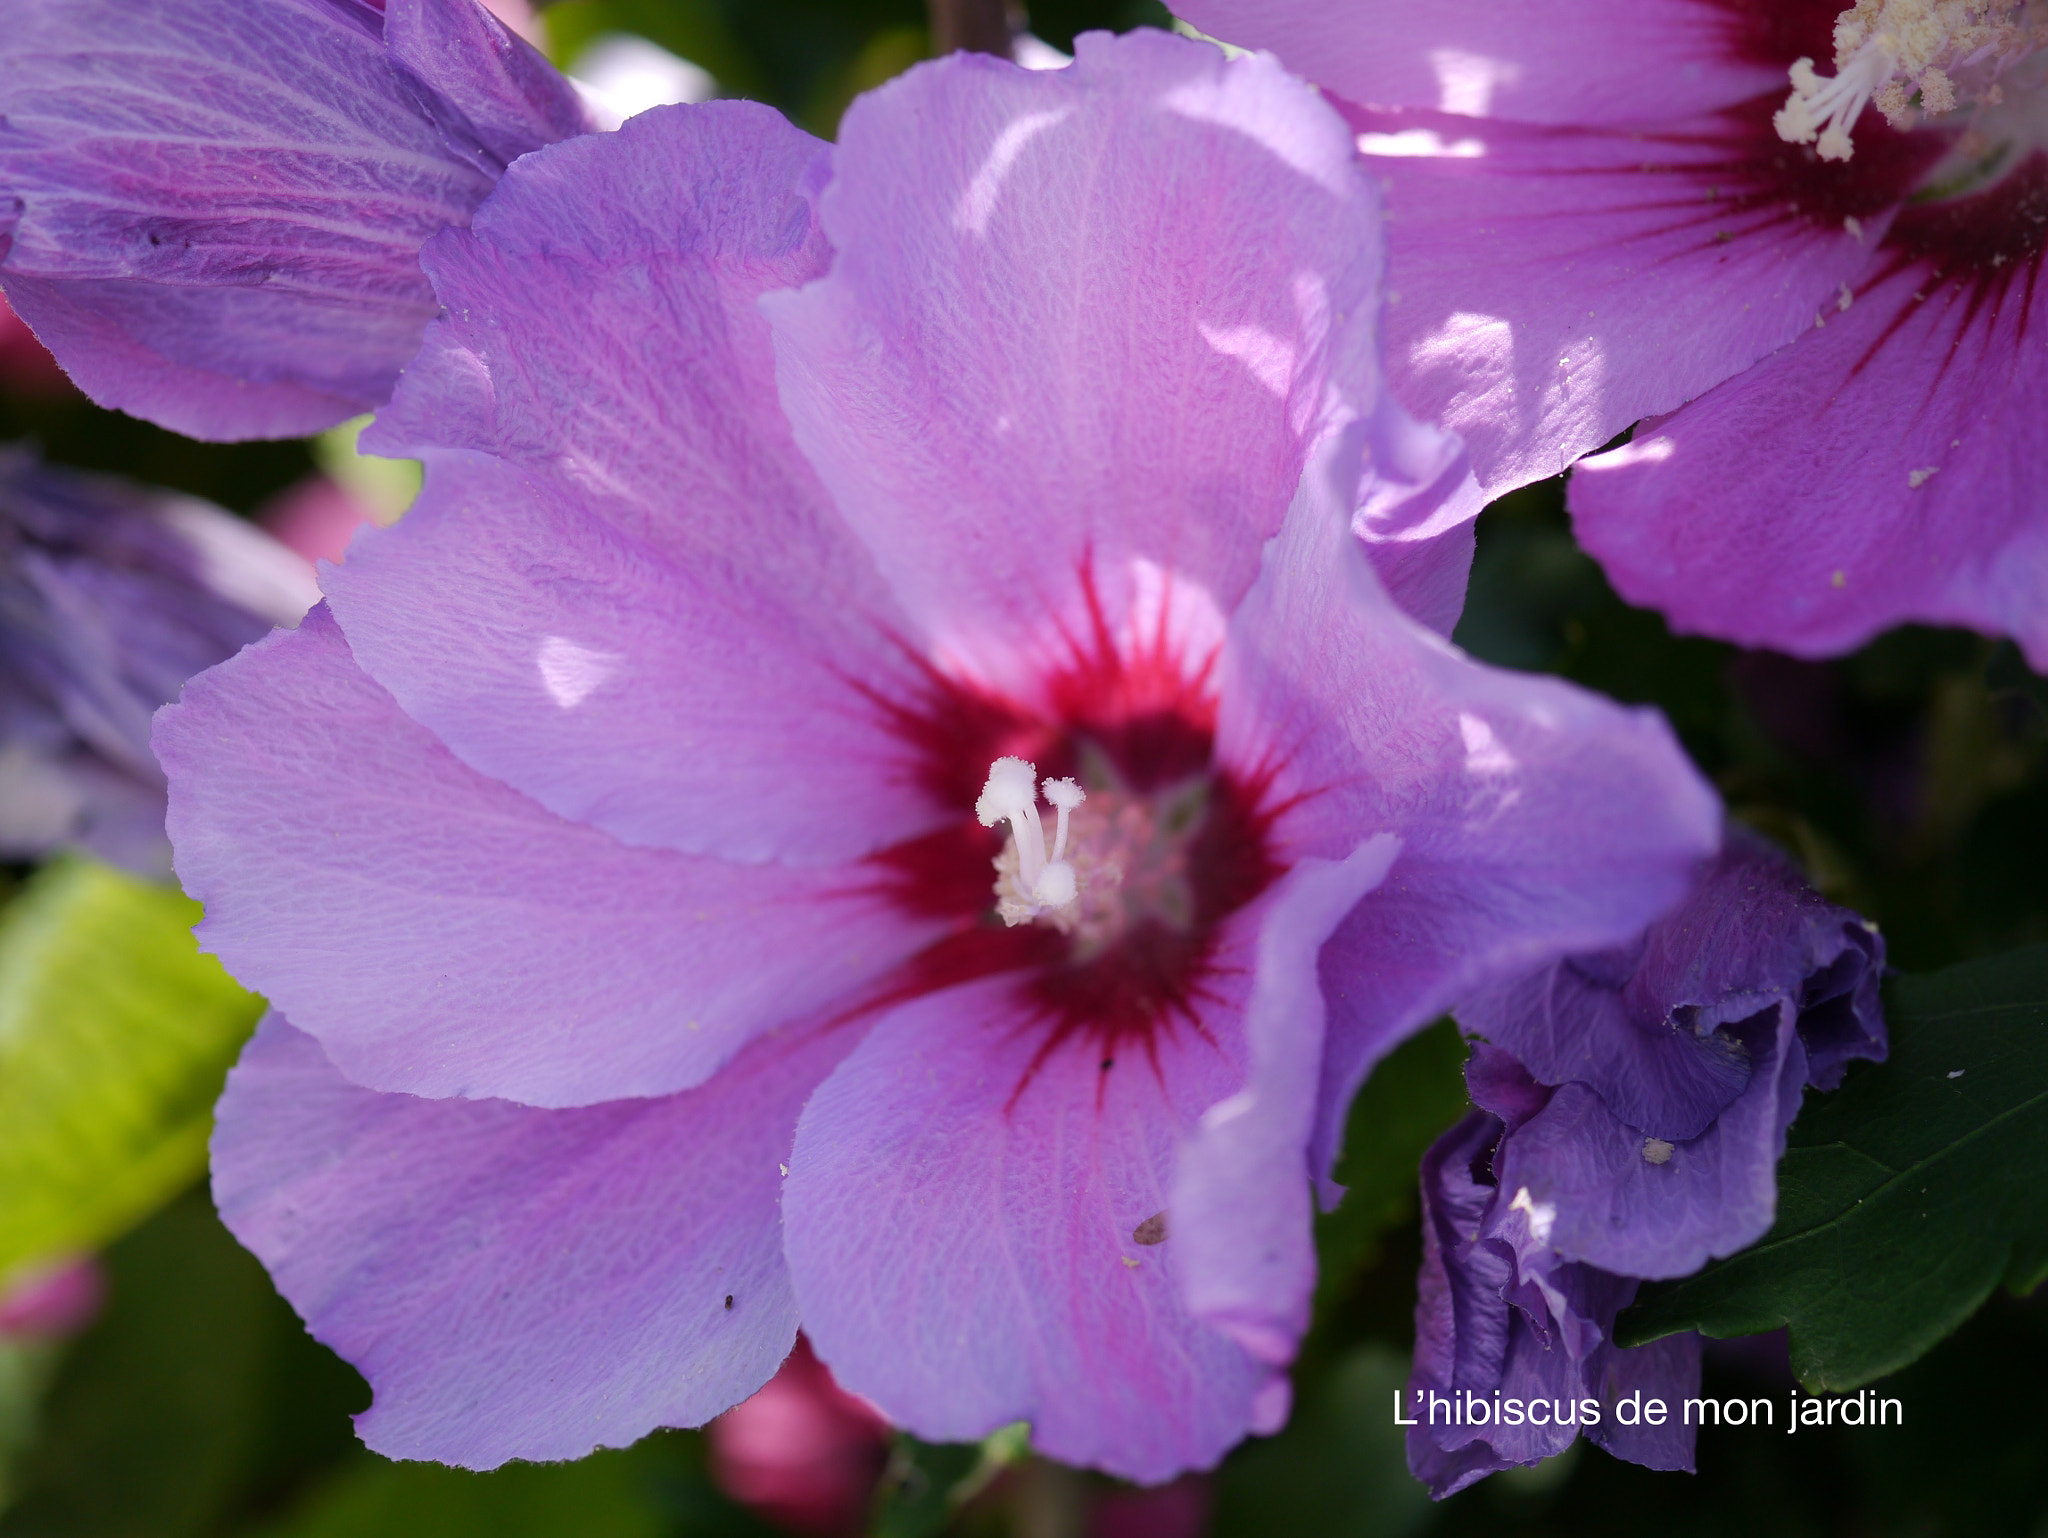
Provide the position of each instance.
(626, 845)
(1607, 209)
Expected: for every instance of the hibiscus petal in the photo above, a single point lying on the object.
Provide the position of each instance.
(1499, 1316)
(1661, 1075)
(1461, 1334)
(518, 1283)
(1417, 514)
(1753, 934)
(1536, 819)
(1884, 469)
(964, 1221)
(639, 609)
(494, 97)
(1554, 285)
(442, 935)
(218, 210)
(1468, 1338)
(1708, 1196)
(1567, 61)
(1428, 577)
(1667, 1369)
(1043, 357)
(1241, 1208)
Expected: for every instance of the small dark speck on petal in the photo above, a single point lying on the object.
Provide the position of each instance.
(728, 1302)
(1108, 1063)
(1152, 1230)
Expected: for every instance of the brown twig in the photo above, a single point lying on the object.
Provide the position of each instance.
(975, 26)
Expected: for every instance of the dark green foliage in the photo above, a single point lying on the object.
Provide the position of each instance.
(1338, 1469)
(1416, 1092)
(195, 1401)
(655, 1489)
(923, 1486)
(810, 57)
(70, 431)
(1967, 1461)
(1058, 21)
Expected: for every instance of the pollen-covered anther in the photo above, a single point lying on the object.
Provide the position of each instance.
(1031, 881)
(1903, 55)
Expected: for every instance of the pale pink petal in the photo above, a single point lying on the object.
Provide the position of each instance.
(519, 1283)
(1882, 470)
(623, 592)
(442, 935)
(963, 1216)
(1549, 286)
(1045, 369)
(1536, 61)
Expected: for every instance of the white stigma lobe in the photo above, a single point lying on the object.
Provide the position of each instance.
(1889, 51)
(1030, 879)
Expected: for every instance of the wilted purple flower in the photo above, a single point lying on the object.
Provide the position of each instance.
(213, 213)
(1604, 209)
(1632, 1109)
(627, 846)
(1513, 1359)
(111, 596)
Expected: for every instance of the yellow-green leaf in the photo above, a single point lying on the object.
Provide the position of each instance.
(115, 1035)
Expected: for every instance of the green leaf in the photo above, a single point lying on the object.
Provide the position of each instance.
(926, 1483)
(193, 1400)
(691, 29)
(25, 1368)
(115, 1035)
(1906, 1196)
(654, 1489)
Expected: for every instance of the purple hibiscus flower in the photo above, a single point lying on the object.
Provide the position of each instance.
(1632, 1108)
(212, 214)
(111, 596)
(647, 848)
(1611, 211)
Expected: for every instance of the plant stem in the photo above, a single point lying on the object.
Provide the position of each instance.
(973, 26)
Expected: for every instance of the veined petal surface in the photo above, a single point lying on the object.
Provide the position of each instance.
(1550, 286)
(217, 211)
(1883, 470)
(1532, 816)
(442, 935)
(964, 1217)
(520, 1283)
(623, 592)
(1039, 363)
(1533, 61)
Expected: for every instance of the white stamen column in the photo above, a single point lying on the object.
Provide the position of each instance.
(1045, 881)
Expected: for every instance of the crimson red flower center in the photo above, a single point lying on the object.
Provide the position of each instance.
(1167, 845)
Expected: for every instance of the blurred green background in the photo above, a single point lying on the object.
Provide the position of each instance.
(1907, 777)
